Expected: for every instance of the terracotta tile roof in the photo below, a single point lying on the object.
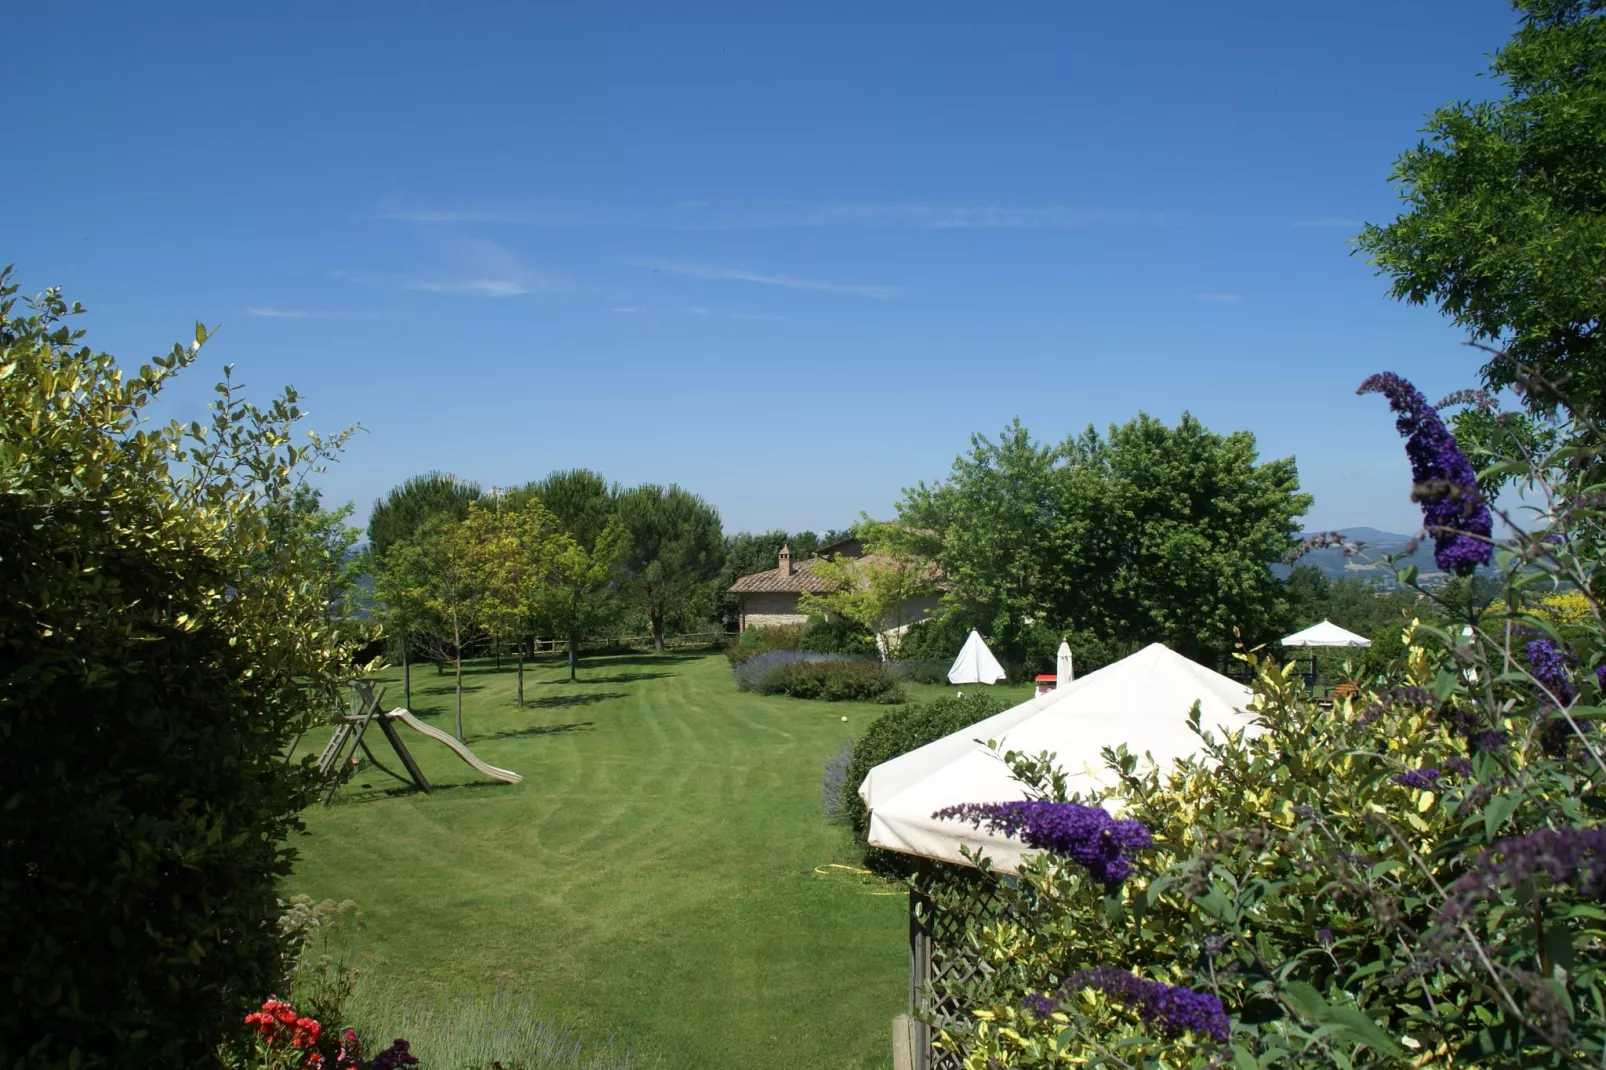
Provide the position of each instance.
(804, 579)
(774, 580)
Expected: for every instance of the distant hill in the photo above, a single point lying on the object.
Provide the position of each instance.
(1367, 564)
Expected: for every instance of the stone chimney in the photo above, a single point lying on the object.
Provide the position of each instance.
(786, 560)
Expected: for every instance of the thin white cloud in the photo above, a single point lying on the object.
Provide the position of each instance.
(628, 310)
(287, 313)
(1220, 298)
(951, 216)
(734, 274)
(481, 287)
(761, 316)
(445, 217)
(1332, 222)
(486, 269)
(402, 213)
(696, 214)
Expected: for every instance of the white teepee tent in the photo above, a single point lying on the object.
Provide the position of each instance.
(975, 663)
(1142, 701)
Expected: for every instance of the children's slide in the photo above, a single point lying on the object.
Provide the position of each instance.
(505, 775)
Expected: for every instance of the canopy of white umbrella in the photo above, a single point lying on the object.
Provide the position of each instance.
(1142, 701)
(1325, 634)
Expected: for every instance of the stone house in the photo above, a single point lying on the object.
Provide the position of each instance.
(769, 599)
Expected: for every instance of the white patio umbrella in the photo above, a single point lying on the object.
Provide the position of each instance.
(1064, 668)
(1142, 701)
(1324, 634)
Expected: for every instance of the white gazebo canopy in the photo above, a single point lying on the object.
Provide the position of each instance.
(1325, 634)
(975, 663)
(1142, 701)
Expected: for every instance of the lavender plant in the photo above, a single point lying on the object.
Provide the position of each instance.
(1413, 877)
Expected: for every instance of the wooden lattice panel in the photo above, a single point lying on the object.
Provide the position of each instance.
(947, 908)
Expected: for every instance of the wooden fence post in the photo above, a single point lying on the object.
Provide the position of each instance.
(920, 917)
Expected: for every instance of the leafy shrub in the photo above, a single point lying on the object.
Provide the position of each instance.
(836, 774)
(837, 637)
(755, 641)
(922, 671)
(762, 671)
(1411, 878)
(899, 732)
(836, 679)
(937, 639)
(163, 637)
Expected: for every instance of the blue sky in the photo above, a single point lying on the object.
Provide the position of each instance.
(789, 257)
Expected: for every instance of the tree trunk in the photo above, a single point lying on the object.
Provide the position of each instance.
(457, 651)
(407, 677)
(460, 695)
(574, 656)
(520, 702)
(497, 645)
(658, 632)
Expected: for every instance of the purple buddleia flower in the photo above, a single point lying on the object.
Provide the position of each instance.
(1324, 936)
(1600, 677)
(1040, 1004)
(1170, 1010)
(1417, 778)
(1575, 857)
(1475, 398)
(1445, 484)
(1549, 664)
(1487, 741)
(1458, 766)
(1084, 834)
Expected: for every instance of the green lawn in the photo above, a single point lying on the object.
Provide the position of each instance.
(661, 877)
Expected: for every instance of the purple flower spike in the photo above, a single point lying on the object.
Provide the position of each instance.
(1417, 778)
(1446, 486)
(1549, 664)
(1575, 857)
(1168, 1009)
(1084, 834)
(1040, 1004)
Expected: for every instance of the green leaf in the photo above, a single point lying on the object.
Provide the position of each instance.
(1309, 1002)
(1495, 813)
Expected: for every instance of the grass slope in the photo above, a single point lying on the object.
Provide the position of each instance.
(656, 878)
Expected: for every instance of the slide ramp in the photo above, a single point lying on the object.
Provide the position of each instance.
(507, 776)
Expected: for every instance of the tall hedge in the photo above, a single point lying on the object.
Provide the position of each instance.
(161, 642)
(900, 732)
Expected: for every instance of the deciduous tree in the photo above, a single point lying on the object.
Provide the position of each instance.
(874, 591)
(1505, 221)
(583, 595)
(1151, 533)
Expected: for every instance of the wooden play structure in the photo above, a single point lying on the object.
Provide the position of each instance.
(348, 737)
